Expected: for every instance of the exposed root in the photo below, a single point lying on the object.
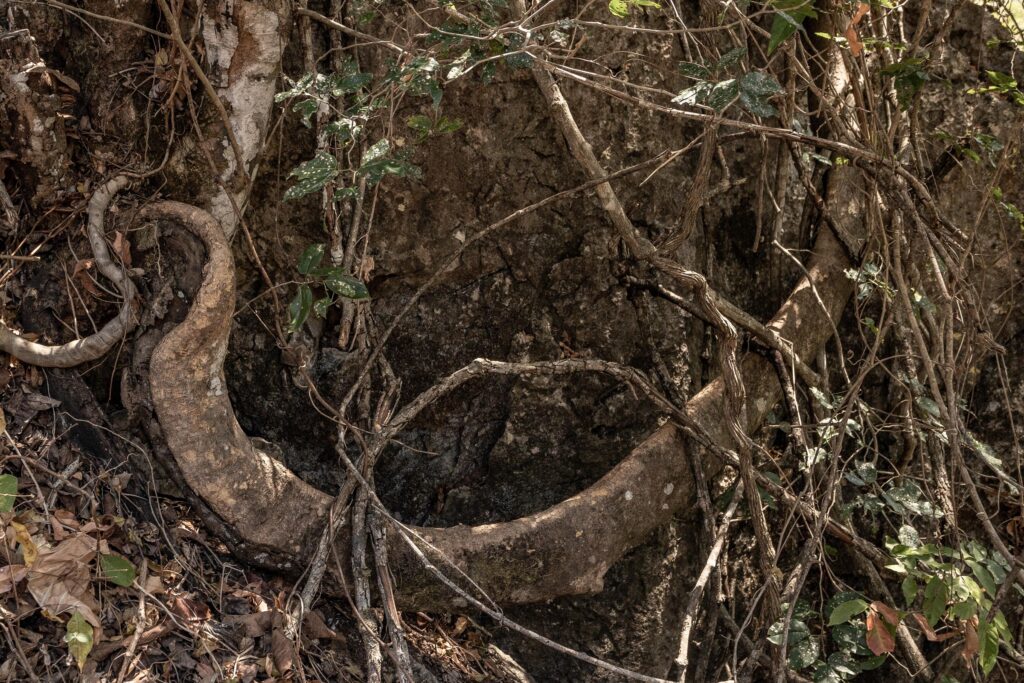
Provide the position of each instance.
(95, 345)
(563, 550)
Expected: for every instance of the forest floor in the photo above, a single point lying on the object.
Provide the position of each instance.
(150, 594)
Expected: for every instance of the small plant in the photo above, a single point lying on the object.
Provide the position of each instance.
(752, 89)
(332, 281)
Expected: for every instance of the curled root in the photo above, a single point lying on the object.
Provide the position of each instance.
(95, 345)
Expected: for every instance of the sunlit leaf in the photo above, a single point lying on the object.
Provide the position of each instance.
(117, 569)
(846, 611)
(79, 638)
(8, 492)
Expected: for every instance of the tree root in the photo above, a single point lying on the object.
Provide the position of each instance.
(95, 345)
(563, 550)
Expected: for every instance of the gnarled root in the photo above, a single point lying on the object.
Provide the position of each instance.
(95, 345)
(563, 550)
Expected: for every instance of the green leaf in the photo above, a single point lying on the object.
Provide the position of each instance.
(299, 88)
(298, 309)
(864, 473)
(871, 663)
(349, 81)
(79, 638)
(908, 536)
(377, 150)
(306, 108)
(695, 94)
(117, 569)
(731, 57)
(376, 164)
(846, 611)
(757, 105)
(936, 593)
(420, 123)
(722, 94)
(812, 456)
(693, 70)
(788, 19)
(343, 129)
(804, 653)
(821, 398)
(825, 673)
(798, 632)
(313, 175)
(321, 305)
(760, 83)
(909, 587)
(8, 492)
(347, 286)
(908, 497)
(619, 8)
(988, 639)
(311, 258)
(984, 577)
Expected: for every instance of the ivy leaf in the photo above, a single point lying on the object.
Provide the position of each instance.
(343, 129)
(320, 306)
(731, 57)
(79, 638)
(306, 108)
(846, 611)
(804, 653)
(722, 94)
(347, 286)
(693, 70)
(8, 492)
(695, 94)
(311, 258)
(798, 632)
(117, 569)
(760, 83)
(757, 106)
(298, 309)
(313, 175)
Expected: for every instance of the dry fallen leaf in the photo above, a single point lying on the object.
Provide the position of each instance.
(255, 625)
(29, 550)
(929, 632)
(10, 575)
(971, 642)
(856, 47)
(59, 579)
(80, 273)
(123, 249)
(282, 649)
(189, 609)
